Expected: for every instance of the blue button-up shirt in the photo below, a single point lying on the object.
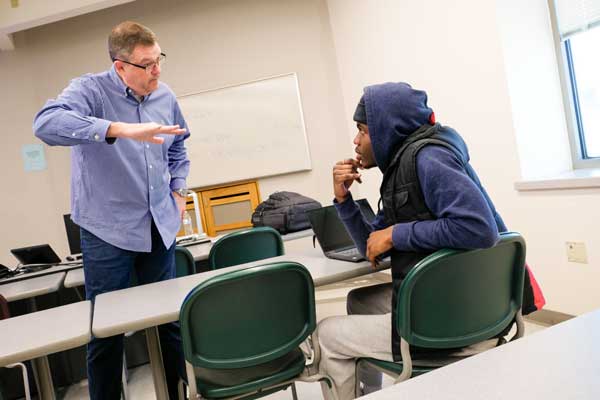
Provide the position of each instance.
(118, 186)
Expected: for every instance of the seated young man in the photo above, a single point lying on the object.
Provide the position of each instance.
(431, 199)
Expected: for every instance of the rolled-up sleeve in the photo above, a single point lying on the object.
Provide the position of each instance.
(72, 119)
(179, 164)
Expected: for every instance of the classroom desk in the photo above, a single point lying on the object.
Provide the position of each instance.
(28, 289)
(74, 278)
(159, 303)
(48, 271)
(200, 251)
(560, 362)
(33, 336)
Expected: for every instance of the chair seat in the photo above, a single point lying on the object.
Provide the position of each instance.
(214, 384)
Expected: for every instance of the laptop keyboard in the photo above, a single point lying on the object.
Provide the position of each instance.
(349, 252)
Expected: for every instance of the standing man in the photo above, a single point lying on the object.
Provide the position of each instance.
(431, 198)
(128, 185)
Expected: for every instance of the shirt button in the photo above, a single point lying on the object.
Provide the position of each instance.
(151, 187)
(97, 137)
(147, 146)
(150, 166)
(73, 133)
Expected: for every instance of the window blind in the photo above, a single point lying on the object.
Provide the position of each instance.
(575, 16)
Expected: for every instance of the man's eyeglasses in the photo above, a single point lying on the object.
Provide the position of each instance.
(148, 67)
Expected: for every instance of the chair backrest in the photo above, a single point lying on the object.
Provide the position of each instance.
(184, 262)
(245, 246)
(455, 298)
(248, 317)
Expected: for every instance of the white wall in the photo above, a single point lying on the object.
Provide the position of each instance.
(209, 43)
(454, 50)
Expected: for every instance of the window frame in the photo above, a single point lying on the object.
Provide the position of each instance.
(568, 85)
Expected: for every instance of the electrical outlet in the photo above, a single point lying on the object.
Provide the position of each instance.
(576, 252)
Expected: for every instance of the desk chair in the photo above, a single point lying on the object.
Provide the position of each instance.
(245, 246)
(241, 332)
(456, 298)
(184, 262)
(5, 314)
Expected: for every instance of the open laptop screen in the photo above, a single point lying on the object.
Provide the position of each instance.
(330, 230)
(40, 254)
(73, 234)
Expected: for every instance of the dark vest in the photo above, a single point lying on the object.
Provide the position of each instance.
(403, 201)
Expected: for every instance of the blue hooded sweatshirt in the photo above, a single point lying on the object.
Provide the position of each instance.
(465, 217)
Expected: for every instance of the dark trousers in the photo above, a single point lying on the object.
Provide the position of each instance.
(109, 268)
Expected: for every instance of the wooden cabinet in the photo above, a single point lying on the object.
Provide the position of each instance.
(227, 207)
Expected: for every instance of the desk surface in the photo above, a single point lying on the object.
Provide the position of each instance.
(35, 286)
(560, 362)
(201, 251)
(159, 303)
(52, 270)
(44, 332)
(74, 278)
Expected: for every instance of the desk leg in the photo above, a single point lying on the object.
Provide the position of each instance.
(156, 364)
(41, 368)
(43, 378)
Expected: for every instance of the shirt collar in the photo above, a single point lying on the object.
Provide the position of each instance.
(124, 88)
(117, 80)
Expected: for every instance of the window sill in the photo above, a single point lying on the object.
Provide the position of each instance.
(576, 179)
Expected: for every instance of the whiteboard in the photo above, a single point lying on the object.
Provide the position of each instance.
(245, 131)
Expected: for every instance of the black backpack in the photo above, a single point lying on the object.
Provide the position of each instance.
(284, 211)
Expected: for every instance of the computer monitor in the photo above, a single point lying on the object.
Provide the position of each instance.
(73, 234)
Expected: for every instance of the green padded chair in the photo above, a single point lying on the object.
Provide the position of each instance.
(241, 332)
(184, 262)
(245, 246)
(456, 298)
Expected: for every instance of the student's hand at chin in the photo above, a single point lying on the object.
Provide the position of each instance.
(378, 243)
(344, 174)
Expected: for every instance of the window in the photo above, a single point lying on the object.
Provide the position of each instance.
(577, 33)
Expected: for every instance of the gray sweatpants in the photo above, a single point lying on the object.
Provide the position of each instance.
(366, 332)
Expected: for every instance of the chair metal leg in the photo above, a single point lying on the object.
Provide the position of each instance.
(191, 376)
(406, 362)
(25, 378)
(181, 389)
(294, 394)
(356, 380)
(520, 326)
(124, 386)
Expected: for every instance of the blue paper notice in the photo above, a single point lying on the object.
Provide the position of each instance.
(33, 157)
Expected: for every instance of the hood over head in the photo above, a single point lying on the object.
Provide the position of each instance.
(393, 111)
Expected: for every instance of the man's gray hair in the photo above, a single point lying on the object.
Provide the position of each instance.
(125, 36)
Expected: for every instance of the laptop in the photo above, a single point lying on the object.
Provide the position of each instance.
(331, 233)
(40, 254)
(73, 237)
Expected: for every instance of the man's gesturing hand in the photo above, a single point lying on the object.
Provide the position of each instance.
(144, 132)
(344, 174)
